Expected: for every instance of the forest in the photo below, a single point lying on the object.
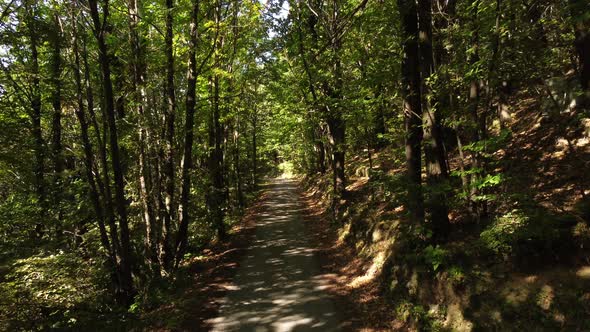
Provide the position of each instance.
(433, 153)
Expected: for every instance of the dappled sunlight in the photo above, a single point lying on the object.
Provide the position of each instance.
(584, 272)
(545, 297)
(557, 148)
(373, 272)
(278, 286)
(358, 183)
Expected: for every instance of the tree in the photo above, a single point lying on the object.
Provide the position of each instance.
(412, 107)
(183, 208)
(101, 32)
(434, 153)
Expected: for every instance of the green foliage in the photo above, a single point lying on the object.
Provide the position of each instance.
(392, 187)
(529, 234)
(581, 235)
(457, 275)
(504, 233)
(55, 291)
(419, 317)
(435, 256)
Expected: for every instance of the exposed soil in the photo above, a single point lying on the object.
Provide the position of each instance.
(354, 285)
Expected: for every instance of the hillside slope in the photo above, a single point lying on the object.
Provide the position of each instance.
(526, 266)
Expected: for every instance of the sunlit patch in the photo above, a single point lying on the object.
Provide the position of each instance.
(516, 295)
(582, 142)
(562, 144)
(231, 287)
(456, 320)
(545, 297)
(344, 232)
(291, 323)
(584, 272)
(358, 183)
(373, 272)
(559, 317)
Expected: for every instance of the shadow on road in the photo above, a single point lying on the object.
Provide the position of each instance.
(279, 286)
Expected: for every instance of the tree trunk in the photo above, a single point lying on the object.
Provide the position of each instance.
(104, 186)
(580, 10)
(254, 147)
(411, 106)
(216, 164)
(434, 155)
(88, 151)
(145, 183)
(237, 165)
(39, 144)
(169, 120)
(56, 140)
(337, 141)
(126, 290)
(379, 120)
(183, 208)
(215, 142)
(333, 112)
(473, 108)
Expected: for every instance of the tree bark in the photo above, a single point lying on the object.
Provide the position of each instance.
(56, 138)
(126, 290)
(183, 207)
(88, 150)
(580, 10)
(39, 143)
(333, 111)
(476, 131)
(139, 94)
(169, 120)
(434, 154)
(216, 140)
(216, 164)
(412, 107)
(254, 145)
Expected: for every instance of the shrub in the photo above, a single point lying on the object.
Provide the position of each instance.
(50, 291)
(531, 235)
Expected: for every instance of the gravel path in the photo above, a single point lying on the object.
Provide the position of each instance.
(278, 286)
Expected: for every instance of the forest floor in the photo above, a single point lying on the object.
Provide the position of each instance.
(524, 267)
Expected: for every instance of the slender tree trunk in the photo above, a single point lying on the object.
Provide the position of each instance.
(237, 165)
(473, 108)
(321, 156)
(183, 208)
(434, 155)
(104, 187)
(254, 147)
(169, 120)
(145, 183)
(333, 112)
(216, 163)
(88, 150)
(580, 11)
(215, 141)
(126, 291)
(39, 143)
(303, 54)
(56, 139)
(379, 120)
(411, 106)
(337, 129)
(230, 89)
